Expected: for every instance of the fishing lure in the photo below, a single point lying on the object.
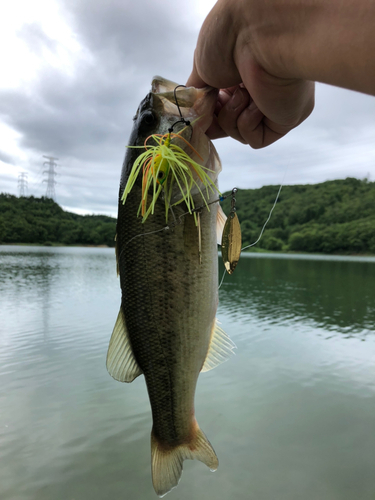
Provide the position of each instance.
(165, 164)
(231, 239)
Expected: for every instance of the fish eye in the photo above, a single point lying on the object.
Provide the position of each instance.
(148, 118)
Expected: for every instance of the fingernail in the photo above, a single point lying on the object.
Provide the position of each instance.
(236, 100)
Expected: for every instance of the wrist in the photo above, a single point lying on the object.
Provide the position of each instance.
(318, 40)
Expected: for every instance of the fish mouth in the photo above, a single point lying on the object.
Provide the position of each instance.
(170, 100)
(186, 101)
(171, 122)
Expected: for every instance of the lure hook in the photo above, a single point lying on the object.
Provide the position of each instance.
(186, 122)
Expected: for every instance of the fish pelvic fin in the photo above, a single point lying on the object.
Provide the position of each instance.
(121, 363)
(221, 348)
(167, 462)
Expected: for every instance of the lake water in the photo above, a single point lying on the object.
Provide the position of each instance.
(291, 416)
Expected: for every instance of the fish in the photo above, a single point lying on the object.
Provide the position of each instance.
(166, 328)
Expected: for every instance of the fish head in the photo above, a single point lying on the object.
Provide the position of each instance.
(194, 105)
(169, 106)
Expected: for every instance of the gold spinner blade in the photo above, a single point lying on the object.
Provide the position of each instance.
(231, 242)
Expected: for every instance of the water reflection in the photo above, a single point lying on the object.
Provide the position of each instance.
(291, 416)
(337, 295)
(47, 299)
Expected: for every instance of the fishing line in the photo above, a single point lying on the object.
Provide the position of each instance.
(269, 216)
(165, 228)
(222, 279)
(231, 239)
(264, 225)
(176, 222)
(142, 234)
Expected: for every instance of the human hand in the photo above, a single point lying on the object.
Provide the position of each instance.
(258, 102)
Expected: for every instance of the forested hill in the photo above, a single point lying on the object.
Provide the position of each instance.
(41, 220)
(331, 217)
(334, 216)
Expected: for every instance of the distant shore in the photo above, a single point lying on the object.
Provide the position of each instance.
(330, 218)
(52, 245)
(252, 250)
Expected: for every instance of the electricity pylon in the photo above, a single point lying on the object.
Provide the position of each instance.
(50, 193)
(22, 183)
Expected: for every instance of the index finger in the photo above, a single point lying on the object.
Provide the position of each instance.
(195, 80)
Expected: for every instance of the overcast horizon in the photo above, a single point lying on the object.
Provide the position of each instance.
(74, 72)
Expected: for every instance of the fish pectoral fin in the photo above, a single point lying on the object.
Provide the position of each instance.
(220, 223)
(121, 363)
(220, 349)
(166, 461)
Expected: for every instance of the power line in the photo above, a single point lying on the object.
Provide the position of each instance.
(50, 193)
(22, 183)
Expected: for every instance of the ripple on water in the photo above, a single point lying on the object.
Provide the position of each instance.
(295, 405)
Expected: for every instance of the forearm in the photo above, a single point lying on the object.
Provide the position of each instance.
(267, 54)
(330, 41)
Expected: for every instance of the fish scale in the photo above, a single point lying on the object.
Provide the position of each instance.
(162, 312)
(166, 328)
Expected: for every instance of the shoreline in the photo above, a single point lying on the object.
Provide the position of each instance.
(43, 245)
(255, 250)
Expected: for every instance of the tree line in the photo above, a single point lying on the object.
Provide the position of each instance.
(42, 221)
(330, 217)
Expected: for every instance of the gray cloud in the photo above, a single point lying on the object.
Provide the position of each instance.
(85, 117)
(36, 39)
(138, 33)
(7, 158)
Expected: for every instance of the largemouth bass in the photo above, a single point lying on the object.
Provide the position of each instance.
(166, 328)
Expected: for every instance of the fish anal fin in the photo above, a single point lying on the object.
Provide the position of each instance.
(121, 363)
(220, 349)
(220, 223)
(167, 462)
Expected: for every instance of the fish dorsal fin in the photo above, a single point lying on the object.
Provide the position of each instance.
(221, 348)
(121, 363)
(220, 223)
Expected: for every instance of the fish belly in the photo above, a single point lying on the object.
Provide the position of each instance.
(169, 300)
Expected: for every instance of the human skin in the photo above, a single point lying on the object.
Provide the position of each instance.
(265, 56)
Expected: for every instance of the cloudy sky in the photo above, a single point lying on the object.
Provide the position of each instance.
(74, 71)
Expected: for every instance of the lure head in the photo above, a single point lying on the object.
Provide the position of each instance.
(160, 169)
(149, 160)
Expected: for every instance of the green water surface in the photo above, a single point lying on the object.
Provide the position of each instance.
(291, 416)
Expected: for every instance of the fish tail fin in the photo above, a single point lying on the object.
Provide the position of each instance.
(167, 461)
